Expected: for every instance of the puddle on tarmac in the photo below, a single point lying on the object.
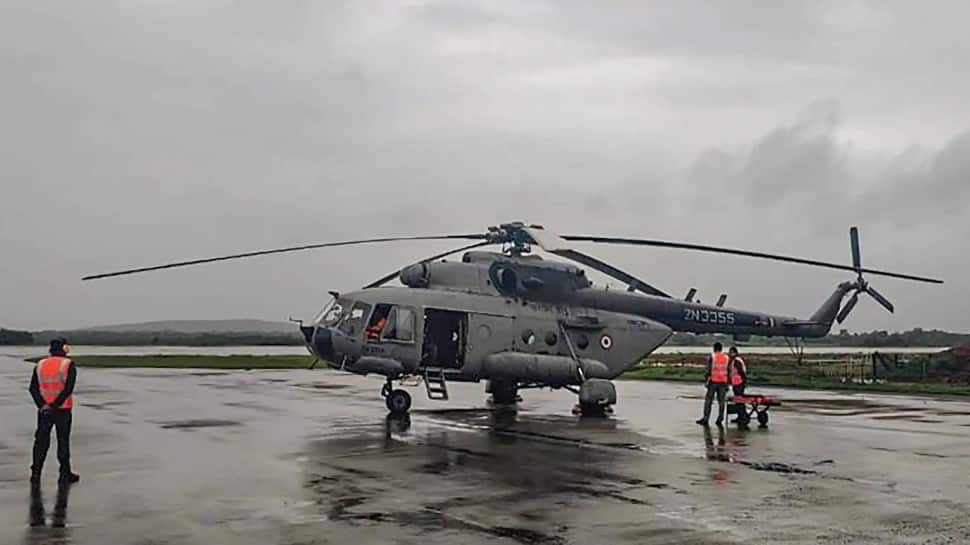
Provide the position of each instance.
(321, 386)
(199, 423)
(777, 467)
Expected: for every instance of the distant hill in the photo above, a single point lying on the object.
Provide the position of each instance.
(171, 333)
(199, 326)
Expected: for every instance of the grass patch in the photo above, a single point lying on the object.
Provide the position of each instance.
(182, 361)
(688, 375)
(816, 372)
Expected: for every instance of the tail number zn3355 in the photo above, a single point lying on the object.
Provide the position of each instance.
(708, 316)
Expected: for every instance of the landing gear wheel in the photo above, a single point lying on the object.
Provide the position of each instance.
(763, 419)
(398, 402)
(504, 393)
(594, 410)
(743, 418)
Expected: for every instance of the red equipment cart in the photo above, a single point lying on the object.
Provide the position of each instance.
(751, 405)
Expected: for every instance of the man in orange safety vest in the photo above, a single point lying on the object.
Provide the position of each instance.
(52, 388)
(739, 371)
(717, 378)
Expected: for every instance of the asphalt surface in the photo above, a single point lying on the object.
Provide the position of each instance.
(304, 457)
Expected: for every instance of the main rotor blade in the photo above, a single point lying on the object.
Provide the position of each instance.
(856, 254)
(609, 270)
(745, 253)
(879, 298)
(277, 251)
(387, 278)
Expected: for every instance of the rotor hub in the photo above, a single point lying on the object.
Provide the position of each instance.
(513, 237)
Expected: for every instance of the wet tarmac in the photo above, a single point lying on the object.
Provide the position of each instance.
(305, 457)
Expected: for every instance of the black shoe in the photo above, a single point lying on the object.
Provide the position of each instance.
(702, 422)
(69, 478)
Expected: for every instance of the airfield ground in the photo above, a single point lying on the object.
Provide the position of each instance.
(301, 457)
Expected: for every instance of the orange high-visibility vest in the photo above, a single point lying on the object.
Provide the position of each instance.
(52, 377)
(719, 368)
(736, 379)
(374, 332)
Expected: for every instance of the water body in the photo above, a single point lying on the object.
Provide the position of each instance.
(28, 351)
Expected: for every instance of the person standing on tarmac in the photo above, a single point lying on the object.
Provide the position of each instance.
(52, 387)
(717, 377)
(739, 371)
(739, 379)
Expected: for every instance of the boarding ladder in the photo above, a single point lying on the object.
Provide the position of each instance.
(434, 381)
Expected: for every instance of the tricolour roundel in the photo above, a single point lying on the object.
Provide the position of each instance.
(606, 342)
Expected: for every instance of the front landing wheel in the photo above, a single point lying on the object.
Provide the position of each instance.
(398, 401)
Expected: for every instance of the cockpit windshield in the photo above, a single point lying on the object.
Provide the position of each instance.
(331, 314)
(348, 316)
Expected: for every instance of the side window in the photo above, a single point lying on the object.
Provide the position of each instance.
(400, 324)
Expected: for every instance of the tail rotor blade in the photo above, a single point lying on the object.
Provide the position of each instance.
(844, 313)
(879, 298)
(856, 253)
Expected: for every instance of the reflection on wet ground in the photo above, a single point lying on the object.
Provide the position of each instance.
(58, 531)
(304, 457)
(444, 479)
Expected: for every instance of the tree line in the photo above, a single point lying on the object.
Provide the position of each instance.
(876, 339)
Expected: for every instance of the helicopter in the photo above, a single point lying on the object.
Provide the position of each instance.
(519, 321)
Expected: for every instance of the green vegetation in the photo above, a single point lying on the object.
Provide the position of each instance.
(194, 361)
(946, 373)
(873, 339)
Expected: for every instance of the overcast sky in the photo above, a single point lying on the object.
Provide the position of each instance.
(138, 132)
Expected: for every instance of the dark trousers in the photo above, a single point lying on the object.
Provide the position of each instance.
(60, 420)
(738, 391)
(719, 390)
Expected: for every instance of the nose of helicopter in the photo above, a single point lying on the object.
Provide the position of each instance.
(319, 341)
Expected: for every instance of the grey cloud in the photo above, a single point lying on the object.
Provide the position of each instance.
(166, 130)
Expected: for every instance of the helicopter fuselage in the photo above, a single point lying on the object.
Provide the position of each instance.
(516, 318)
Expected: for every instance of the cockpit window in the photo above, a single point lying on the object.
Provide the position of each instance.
(352, 321)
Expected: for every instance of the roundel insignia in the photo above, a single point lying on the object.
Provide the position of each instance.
(606, 342)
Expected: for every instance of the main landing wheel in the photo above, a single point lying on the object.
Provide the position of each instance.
(504, 393)
(763, 419)
(398, 401)
(592, 410)
(743, 417)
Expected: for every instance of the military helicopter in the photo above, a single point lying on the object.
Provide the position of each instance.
(519, 321)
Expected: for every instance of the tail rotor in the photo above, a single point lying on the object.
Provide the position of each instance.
(860, 285)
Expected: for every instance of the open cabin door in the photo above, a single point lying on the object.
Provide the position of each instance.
(445, 338)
